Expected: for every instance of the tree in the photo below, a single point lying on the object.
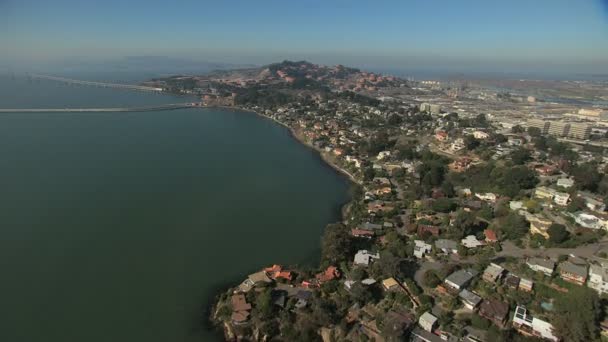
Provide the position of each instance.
(430, 279)
(263, 303)
(444, 205)
(337, 244)
(517, 129)
(470, 142)
(520, 156)
(587, 176)
(577, 315)
(557, 233)
(534, 131)
(514, 226)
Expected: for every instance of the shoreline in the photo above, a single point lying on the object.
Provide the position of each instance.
(212, 310)
(293, 133)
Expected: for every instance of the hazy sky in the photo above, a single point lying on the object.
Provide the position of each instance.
(549, 34)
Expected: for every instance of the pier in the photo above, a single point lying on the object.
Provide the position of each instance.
(96, 84)
(102, 110)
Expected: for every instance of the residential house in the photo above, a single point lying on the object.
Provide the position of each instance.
(432, 230)
(370, 226)
(565, 183)
(469, 299)
(460, 279)
(240, 309)
(421, 335)
(526, 285)
(528, 325)
(481, 135)
(490, 236)
(457, 145)
(441, 136)
(421, 248)
(516, 205)
(362, 233)
(391, 284)
(539, 225)
(591, 202)
(543, 192)
(598, 278)
(493, 273)
(447, 246)
(427, 321)
(561, 198)
(590, 221)
(488, 197)
(331, 273)
(277, 272)
(253, 280)
(541, 265)
(383, 154)
(364, 258)
(471, 242)
(512, 281)
(573, 273)
(494, 310)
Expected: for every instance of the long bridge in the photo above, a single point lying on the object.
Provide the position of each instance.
(96, 84)
(103, 110)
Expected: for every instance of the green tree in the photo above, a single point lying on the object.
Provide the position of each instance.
(336, 245)
(520, 156)
(470, 142)
(557, 233)
(534, 131)
(514, 226)
(577, 315)
(431, 279)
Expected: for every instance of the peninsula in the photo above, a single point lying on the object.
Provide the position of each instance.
(471, 219)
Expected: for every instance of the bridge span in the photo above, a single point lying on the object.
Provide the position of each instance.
(96, 84)
(102, 110)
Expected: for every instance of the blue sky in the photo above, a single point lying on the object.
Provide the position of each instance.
(466, 34)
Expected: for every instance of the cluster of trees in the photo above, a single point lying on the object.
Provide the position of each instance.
(491, 177)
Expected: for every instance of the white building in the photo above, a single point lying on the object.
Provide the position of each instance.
(427, 321)
(590, 221)
(383, 154)
(481, 135)
(471, 242)
(598, 278)
(565, 183)
(488, 197)
(541, 265)
(421, 248)
(457, 145)
(525, 323)
(561, 198)
(364, 258)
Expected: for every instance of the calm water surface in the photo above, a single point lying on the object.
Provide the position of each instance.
(120, 227)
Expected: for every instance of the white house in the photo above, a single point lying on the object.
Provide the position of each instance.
(565, 183)
(481, 135)
(471, 242)
(427, 321)
(364, 258)
(488, 197)
(590, 221)
(457, 145)
(541, 265)
(421, 248)
(598, 278)
(561, 198)
(383, 154)
(527, 324)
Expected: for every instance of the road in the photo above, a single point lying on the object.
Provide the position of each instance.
(588, 251)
